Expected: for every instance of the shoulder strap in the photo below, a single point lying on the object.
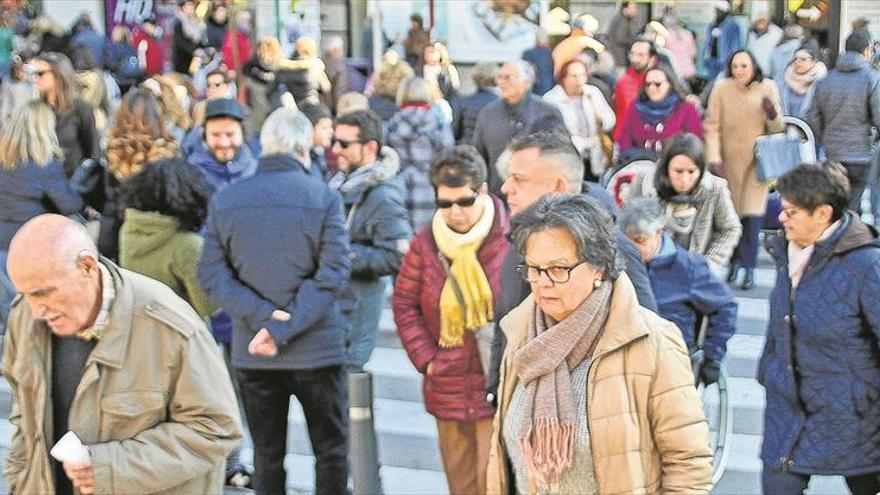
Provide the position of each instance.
(459, 295)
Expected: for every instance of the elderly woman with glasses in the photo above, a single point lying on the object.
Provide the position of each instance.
(821, 365)
(579, 337)
(443, 307)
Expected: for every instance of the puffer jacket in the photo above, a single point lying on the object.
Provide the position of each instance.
(376, 218)
(845, 106)
(648, 433)
(456, 389)
(419, 137)
(821, 363)
(154, 405)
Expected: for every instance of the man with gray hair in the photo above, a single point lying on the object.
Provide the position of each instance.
(536, 165)
(275, 255)
(518, 112)
(337, 71)
(686, 290)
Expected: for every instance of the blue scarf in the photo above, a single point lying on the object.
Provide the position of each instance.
(653, 112)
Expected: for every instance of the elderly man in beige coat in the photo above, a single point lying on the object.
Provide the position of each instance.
(118, 359)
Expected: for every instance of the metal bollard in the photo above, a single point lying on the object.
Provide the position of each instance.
(363, 453)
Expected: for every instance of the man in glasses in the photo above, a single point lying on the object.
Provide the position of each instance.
(539, 164)
(377, 221)
(519, 111)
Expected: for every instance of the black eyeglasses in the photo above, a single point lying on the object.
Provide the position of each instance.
(556, 274)
(463, 202)
(343, 143)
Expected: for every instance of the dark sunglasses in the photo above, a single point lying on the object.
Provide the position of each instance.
(656, 84)
(343, 144)
(463, 202)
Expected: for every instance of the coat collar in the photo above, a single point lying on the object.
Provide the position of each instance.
(851, 235)
(280, 163)
(624, 324)
(111, 349)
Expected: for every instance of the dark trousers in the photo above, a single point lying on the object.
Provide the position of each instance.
(746, 252)
(858, 177)
(266, 395)
(779, 483)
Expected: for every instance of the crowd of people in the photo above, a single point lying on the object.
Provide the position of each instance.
(184, 232)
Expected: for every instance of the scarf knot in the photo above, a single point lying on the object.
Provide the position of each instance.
(543, 365)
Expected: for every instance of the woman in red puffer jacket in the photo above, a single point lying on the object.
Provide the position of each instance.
(447, 343)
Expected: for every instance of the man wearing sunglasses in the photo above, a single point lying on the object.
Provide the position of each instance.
(377, 222)
(539, 164)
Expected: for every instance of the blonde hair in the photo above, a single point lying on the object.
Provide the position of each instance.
(120, 34)
(391, 73)
(351, 102)
(306, 48)
(268, 51)
(29, 136)
(170, 101)
(414, 90)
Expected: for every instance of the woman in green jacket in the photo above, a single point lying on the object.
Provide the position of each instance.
(165, 205)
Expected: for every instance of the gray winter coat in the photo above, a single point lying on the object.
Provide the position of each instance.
(845, 107)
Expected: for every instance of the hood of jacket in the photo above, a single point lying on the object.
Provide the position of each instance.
(219, 173)
(147, 231)
(853, 234)
(851, 62)
(352, 186)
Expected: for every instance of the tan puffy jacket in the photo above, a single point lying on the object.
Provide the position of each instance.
(647, 429)
(155, 405)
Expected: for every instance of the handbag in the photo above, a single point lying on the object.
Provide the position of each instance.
(776, 154)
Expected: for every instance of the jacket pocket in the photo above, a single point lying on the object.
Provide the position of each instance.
(125, 414)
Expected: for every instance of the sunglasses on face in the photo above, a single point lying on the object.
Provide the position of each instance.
(462, 202)
(655, 84)
(343, 143)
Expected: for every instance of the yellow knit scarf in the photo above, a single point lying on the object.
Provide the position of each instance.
(461, 251)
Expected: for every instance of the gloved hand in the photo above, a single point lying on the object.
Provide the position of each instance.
(769, 109)
(710, 371)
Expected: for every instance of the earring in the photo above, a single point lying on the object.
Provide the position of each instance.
(597, 283)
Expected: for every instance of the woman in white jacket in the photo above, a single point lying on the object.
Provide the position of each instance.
(584, 111)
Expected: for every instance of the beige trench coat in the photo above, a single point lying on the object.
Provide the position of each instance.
(734, 119)
(155, 405)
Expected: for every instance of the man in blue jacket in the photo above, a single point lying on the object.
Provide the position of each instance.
(683, 284)
(276, 253)
(377, 221)
(722, 39)
(846, 104)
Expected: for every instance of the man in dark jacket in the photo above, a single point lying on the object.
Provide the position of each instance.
(846, 104)
(219, 151)
(684, 286)
(622, 31)
(518, 112)
(466, 109)
(548, 163)
(275, 255)
(541, 59)
(377, 221)
(821, 366)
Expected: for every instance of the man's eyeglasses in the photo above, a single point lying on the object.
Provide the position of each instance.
(343, 143)
(507, 77)
(462, 202)
(556, 274)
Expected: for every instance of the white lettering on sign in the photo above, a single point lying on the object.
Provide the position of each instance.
(132, 11)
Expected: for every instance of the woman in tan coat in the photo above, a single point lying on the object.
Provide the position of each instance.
(742, 107)
(579, 337)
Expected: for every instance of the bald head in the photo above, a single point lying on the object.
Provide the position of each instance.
(53, 263)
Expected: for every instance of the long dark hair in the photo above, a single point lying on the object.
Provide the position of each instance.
(169, 187)
(686, 144)
(757, 74)
(674, 86)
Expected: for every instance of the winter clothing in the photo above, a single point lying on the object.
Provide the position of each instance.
(168, 412)
(455, 390)
(641, 370)
(218, 175)
(465, 111)
(379, 233)
(154, 245)
(419, 137)
(337, 75)
(820, 366)
(30, 190)
(94, 41)
(259, 80)
(189, 36)
(13, 94)
(584, 128)
(236, 49)
(796, 91)
(155, 51)
(683, 49)
(540, 57)
(722, 39)
(499, 121)
(640, 131)
(715, 228)
(622, 31)
(302, 218)
(686, 290)
(215, 32)
(782, 57)
(846, 104)
(77, 135)
(626, 91)
(384, 106)
(762, 46)
(734, 119)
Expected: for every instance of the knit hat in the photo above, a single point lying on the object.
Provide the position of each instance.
(722, 5)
